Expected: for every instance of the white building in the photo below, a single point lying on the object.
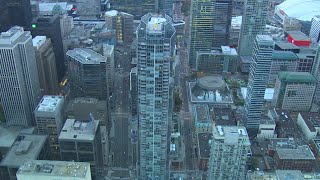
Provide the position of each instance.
(19, 82)
(309, 124)
(267, 128)
(66, 24)
(230, 146)
(54, 170)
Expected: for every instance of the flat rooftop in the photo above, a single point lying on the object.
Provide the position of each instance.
(8, 134)
(204, 140)
(246, 59)
(297, 77)
(108, 49)
(285, 55)
(79, 130)
(49, 103)
(13, 36)
(230, 134)
(298, 35)
(86, 56)
(201, 113)
(286, 45)
(38, 41)
(301, 152)
(55, 168)
(224, 117)
(265, 40)
(289, 174)
(27, 149)
(312, 120)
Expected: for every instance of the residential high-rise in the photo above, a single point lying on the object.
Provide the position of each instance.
(108, 52)
(230, 146)
(201, 28)
(315, 29)
(49, 26)
(253, 23)
(19, 82)
(294, 91)
(222, 22)
(46, 63)
(123, 24)
(87, 73)
(49, 120)
(258, 79)
(156, 42)
(81, 141)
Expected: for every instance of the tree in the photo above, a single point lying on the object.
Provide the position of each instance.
(177, 102)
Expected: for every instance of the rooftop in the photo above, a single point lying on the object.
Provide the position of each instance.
(79, 130)
(27, 149)
(287, 55)
(204, 145)
(12, 35)
(55, 168)
(108, 49)
(231, 134)
(224, 117)
(156, 23)
(286, 45)
(268, 94)
(8, 134)
(298, 35)
(49, 103)
(38, 41)
(264, 39)
(300, 9)
(246, 59)
(86, 56)
(312, 120)
(201, 113)
(301, 152)
(297, 77)
(111, 13)
(289, 174)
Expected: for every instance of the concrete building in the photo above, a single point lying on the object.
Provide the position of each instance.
(49, 26)
(294, 91)
(52, 170)
(81, 141)
(222, 60)
(87, 74)
(19, 85)
(204, 141)
(46, 63)
(309, 124)
(108, 52)
(258, 79)
(267, 129)
(281, 175)
(298, 158)
(90, 8)
(49, 120)
(66, 24)
(134, 91)
(26, 147)
(230, 146)
(235, 31)
(123, 24)
(315, 29)
(285, 125)
(253, 23)
(282, 61)
(203, 122)
(201, 28)
(156, 42)
(223, 116)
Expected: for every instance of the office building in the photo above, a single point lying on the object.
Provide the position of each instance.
(81, 141)
(253, 23)
(315, 29)
(25, 147)
(123, 24)
(218, 61)
(52, 170)
(87, 73)
(201, 28)
(258, 79)
(134, 91)
(316, 74)
(309, 123)
(156, 41)
(203, 122)
(46, 64)
(49, 120)
(89, 8)
(108, 52)
(294, 91)
(222, 22)
(49, 26)
(230, 146)
(168, 7)
(66, 24)
(19, 85)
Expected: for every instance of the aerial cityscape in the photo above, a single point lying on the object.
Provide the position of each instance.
(159, 90)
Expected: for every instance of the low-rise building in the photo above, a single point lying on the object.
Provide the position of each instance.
(223, 116)
(299, 158)
(202, 118)
(294, 91)
(53, 170)
(203, 150)
(309, 123)
(285, 126)
(267, 128)
(281, 175)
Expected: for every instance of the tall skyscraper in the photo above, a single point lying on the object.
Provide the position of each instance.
(49, 26)
(156, 41)
(230, 146)
(253, 23)
(258, 80)
(315, 29)
(46, 63)
(201, 30)
(87, 73)
(222, 22)
(19, 82)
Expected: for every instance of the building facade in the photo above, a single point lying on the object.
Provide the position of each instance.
(315, 29)
(19, 85)
(230, 146)
(134, 91)
(108, 52)
(46, 63)
(294, 91)
(49, 120)
(18, 14)
(222, 22)
(156, 41)
(253, 23)
(258, 79)
(87, 73)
